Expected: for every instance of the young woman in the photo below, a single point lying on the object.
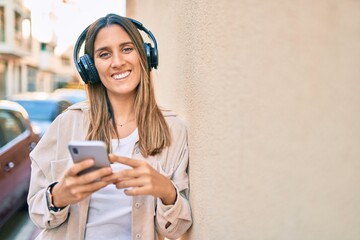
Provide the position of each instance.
(144, 194)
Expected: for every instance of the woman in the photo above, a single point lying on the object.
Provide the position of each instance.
(144, 194)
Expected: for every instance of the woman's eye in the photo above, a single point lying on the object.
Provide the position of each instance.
(127, 49)
(103, 55)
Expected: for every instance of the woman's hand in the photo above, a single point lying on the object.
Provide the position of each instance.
(142, 179)
(73, 188)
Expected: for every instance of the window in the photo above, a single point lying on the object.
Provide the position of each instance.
(2, 24)
(18, 29)
(26, 33)
(45, 47)
(31, 74)
(11, 126)
(3, 67)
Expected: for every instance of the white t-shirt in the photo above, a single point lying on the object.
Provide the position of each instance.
(109, 214)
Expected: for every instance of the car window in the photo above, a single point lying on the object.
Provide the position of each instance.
(40, 110)
(11, 126)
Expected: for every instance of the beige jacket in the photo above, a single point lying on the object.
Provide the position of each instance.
(50, 160)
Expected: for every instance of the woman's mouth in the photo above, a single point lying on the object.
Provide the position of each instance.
(119, 76)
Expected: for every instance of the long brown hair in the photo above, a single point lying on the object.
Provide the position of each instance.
(154, 134)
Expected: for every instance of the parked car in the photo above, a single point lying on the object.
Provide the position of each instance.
(70, 94)
(17, 139)
(42, 109)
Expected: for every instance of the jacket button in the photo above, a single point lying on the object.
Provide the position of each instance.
(138, 236)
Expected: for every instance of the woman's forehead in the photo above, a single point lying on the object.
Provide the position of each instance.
(112, 33)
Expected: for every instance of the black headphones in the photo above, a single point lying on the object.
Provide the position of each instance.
(86, 67)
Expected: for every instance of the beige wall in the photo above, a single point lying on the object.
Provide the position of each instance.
(270, 91)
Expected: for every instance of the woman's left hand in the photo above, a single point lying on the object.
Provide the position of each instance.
(142, 179)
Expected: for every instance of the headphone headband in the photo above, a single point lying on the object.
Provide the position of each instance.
(141, 27)
(86, 67)
(77, 47)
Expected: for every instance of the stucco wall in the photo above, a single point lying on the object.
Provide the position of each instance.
(270, 91)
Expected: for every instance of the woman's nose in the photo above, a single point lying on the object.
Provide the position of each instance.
(117, 60)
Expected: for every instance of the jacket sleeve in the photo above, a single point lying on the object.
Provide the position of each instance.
(45, 169)
(172, 221)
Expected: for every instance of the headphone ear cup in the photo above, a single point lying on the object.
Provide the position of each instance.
(82, 71)
(147, 48)
(154, 57)
(89, 70)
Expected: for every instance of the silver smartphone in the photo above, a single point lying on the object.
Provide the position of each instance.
(81, 150)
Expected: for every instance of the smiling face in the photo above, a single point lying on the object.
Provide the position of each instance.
(117, 61)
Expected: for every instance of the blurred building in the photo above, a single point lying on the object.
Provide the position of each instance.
(27, 64)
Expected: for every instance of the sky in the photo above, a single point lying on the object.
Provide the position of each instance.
(54, 19)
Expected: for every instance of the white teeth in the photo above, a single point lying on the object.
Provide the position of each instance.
(122, 75)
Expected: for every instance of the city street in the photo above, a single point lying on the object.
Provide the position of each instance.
(19, 227)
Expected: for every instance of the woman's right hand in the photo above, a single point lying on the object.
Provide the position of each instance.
(73, 188)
